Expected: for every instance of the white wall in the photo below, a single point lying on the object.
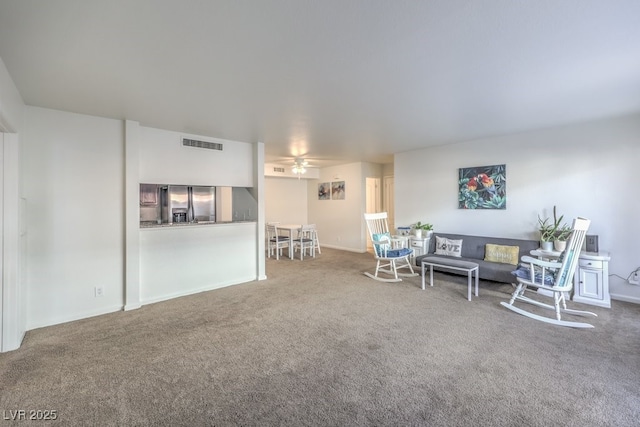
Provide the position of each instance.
(340, 223)
(286, 200)
(73, 181)
(164, 160)
(184, 260)
(11, 104)
(181, 260)
(586, 170)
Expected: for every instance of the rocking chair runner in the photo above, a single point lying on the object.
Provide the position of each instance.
(390, 254)
(553, 276)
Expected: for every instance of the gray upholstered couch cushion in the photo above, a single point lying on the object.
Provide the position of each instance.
(473, 250)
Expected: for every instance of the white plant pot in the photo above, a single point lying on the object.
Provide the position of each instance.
(560, 245)
(546, 246)
(417, 233)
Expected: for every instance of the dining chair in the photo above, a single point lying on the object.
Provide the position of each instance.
(316, 244)
(276, 242)
(305, 240)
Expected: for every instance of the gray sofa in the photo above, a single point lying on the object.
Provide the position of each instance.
(473, 250)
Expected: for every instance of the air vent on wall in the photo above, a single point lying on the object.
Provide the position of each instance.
(201, 144)
(281, 170)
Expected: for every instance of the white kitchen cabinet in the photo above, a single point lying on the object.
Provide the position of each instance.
(591, 280)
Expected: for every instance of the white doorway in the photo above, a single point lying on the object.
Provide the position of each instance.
(389, 201)
(373, 195)
(373, 202)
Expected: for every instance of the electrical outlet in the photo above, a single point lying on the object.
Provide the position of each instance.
(98, 291)
(634, 279)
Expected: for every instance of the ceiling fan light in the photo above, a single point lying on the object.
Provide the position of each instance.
(299, 169)
(299, 166)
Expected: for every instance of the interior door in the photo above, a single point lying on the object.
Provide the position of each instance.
(373, 195)
(373, 204)
(388, 200)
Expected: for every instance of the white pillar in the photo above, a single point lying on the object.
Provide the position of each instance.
(132, 215)
(12, 296)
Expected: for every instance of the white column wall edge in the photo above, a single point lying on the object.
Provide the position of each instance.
(12, 324)
(258, 185)
(132, 216)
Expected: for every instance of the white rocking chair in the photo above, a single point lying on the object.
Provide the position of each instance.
(391, 254)
(553, 276)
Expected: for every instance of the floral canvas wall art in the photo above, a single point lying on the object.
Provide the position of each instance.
(482, 187)
(337, 190)
(324, 191)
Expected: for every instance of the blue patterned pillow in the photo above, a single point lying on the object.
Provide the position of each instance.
(395, 253)
(381, 237)
(524, 272)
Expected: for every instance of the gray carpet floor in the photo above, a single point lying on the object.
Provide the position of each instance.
(319, 343)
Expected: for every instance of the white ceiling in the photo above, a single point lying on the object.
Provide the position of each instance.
(332, 79)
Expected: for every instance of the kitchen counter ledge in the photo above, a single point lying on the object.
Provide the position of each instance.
(153, 224)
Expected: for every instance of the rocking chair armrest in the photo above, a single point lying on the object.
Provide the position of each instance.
(546, 264)
(398, 242)
(540, 273)
(380, 242)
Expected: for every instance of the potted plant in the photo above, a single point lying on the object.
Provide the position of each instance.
(419, 228)
(547, 232)
(562, 234)
(550, 232)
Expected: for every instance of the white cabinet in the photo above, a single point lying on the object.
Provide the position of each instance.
(591, 281)
(420, 245)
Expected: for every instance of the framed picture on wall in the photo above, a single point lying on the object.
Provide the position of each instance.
(482, 187)
(324, 191)
(337, 190)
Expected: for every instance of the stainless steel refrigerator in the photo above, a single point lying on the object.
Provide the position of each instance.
(182, 204)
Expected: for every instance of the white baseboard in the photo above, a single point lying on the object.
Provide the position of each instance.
(625, 298)
(358, 251)
(196, 291)
(76, 316)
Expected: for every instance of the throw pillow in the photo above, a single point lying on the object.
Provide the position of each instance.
(381, 237)
(396, 253)
(500, 253)
(449, 247)
(524, 272)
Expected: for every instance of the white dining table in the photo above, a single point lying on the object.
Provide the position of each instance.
(290, 228)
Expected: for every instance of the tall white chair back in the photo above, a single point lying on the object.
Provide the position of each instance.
(306, 240)
(315, 238)
(275, 242)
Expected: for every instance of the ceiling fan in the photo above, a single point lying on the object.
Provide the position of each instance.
(300, 166)
(297, 165)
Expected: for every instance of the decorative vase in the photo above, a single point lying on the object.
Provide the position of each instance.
(546, 246)
(560, 245)
(418, 233)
